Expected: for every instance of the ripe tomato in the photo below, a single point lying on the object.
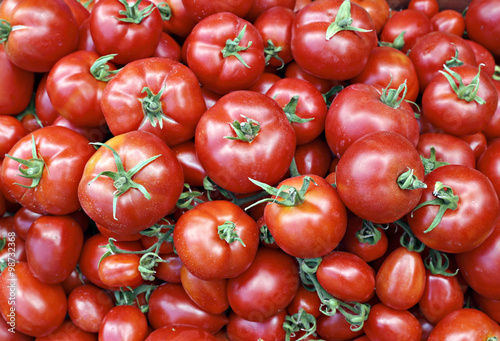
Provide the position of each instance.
(313, 157)
(449, 21)
(385, 323)
(479, 19)
(199, 10)
(379, 11)
(192, 169)
(271, 328)
(448, 148)
(428, 7)
(335, 327)
(87, 307)
(124, 322)
(260, 6)
(121, 270)
(180, 333)
(11, 131)
(483, 56)
(68, 331)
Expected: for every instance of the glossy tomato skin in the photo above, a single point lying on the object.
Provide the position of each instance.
(271, 328)
(477, 142)
(479, 19)
(448, 148)
(199, 10)
(293, 70)
(11, 131)
(359, 110)
(39, 308)
(136, 40)
(44, 108)
(65, 154)
(428, 7)
(121, 270)
(483, 56)
(307, 300)
(313, 228)
(229, 163)
(50, 29)
(68, 331)
(367, 176)
(260, 6)
(489, 306)
(191, 166)
(266, 287)
(181, 100)
(492, 129)
(470, 224)
(87, 307)
(134, 147)
(23, 218)
(385, 323)
(53, 247)
(341, 57)
(124, 322)
(313, 157)
(379, 11)
(449, 21)
(170, 270)
(335, 327)
(7, 335)
(489, 164)
(180, 333)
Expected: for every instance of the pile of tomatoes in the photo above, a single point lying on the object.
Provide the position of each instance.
(249, 170)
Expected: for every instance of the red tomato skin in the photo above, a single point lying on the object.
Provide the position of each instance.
(489, 306)
(121, 270)
(124, 322)
(180, 333)
(168, 47)
(87, 307)
(270, 329)
(379, 10)
(479, 23)
(68, 331)
(428, 7)
(477, 142)
(293, 70)
(483, 56)
(307, 300)
(335, 327)
(448, 148)
(6, 333)
(449, 21)
(385, 323)
(11, 131)
(44, 108)
(169, 271)
(400, 281)
(23, 219)
(492, 129)
(191, 166)
(313, 157)
(199, 10)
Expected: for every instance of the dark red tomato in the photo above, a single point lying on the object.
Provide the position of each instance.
(271, 328)
(361, 109)
(483, 56)
(92, 251)
(166, 225)
(308, 104)
(169, 304)
(379, 11)
(489, 306)
(45, 111)
(369, 177)
(48, 28)
(216, 240)
(428, 7)
(7, 333)
(191, 166)
(307, 300)
(117, 235)
(385, 323)
(23, 218)
(85, 41)
(479, 266)
(260, 6)
(35, 308)
(141, 156)
(211, 296)
(335, 327)
(170, 270)
(473, 209)
(449, 21)
(389, 67)
(266, 288)
(180, 333)
(492, 129)
(211, 97)
(313, 157)
(68, 331)
(158, 95)
(324, 52)
(93, 134)
(477, 142)
(3, 205)
(275, 27)
(293, 70)
(121, 270)
(16, 86)
(448, 148)
(125, 323)
(465, 324)
(263, 84)
(168, 47)
(176, 20)
(442, 295)
(435, 49)
(456, 112)
(14, 247)
(199, 10)
(311, 227)
(489, 164)
(225, 52)
(479, 22)
(74, 280)
(55, 157)
(263, 151)
(426, 325)
(346, 277)
(400, 281)
(59, 239)
(79, 11)
(11, 131)
(136, 28)
(415, 24)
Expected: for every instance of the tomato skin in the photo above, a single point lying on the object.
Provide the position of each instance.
(465, 324)
(124, 322)
(293, 70)
(191, 166)
(449, 21)
(477, 142)
(448, 148)
(180, 333)
(68, 331)
(169, 304)
(313, 157)
(269, 329)
(470, 224)
(492, 129)
(6, 333)
(489, 306)
(23, 219)
(428, 7)
(199, 10)
(385, 323)
(44, 108)
(169, 271)
(87, 306)
(39, 308)
(335, 327)
(120, 270)
(479, 22)
(53, 247)
(313, 228)
(266, 287)
(12, 241)
(400, 281)
(483, 56)
(262, 85)
(11, 131)
(260, 6)
(168, 47)
(379, 11)
(307, 300)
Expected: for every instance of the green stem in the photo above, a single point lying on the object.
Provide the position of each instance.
(290, 108)
(454, 61)
(186, 198)
(130, 297)
(301, 321)
(496, 75)
(343, 21)
(368, 233)
(33, 168)
(408, 180)
(465, 92)
(393, 97)
(265, 235)
(152, 107)
(431, 163)
(132, 13)
(438, 263)
(334, 90)
(233, 48)
(408, 239)
(293, 169)
(246, 131)
(165, 11)
(398, 43)
(271, 51)
(100, 69)
(227, 232)
(5, 29)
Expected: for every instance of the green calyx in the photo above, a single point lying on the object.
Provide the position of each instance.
(393, 97)
(408, 180)
(465, 92)
(100, 68)
(123, 179)
(165, 11)
(152, 107)
(301, 321)
(233, 47)
(445, 199)
(188, 198)
(246, 131)
(342, 21)
(438, 263)
(5, 29)
(333, 91)
(3, 242)
(408, 238)
(265, 235)
(496, 74)
(290, 196)
(431, 163)
(33, 168)
(369, 233)
(130, 296)
(132, 13)
(290, 109)
(398, 43)
(227, 232)
(271, 51)
(454, 61)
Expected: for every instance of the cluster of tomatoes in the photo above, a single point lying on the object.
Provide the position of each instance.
(249, 170)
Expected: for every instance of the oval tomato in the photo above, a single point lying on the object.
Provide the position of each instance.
(124, 322)
(87, 307)
(385, 323)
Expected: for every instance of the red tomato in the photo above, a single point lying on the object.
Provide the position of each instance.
(87, 306)
(379, 11)
(483, 56)
(176, 19)
(13, 247)
(191, 166)
(335, 327)
(168, 47)
(489, 306)
(68, 331)
(11, 131)
(489, 164)
(180, 333)
(492, 129)
(428, 7)
(307, 300)
(121, 270)
(449, 21)
(170, 270)
(313, 157)
(23, 220)
(7, 334)
(477, 142)
(262, 85)
(293, 70)
(199, 10)
(385, 323)
(260, 6)
(45, 111)
(124, 322)
(479, 22)
(269, 329)
(448, 148)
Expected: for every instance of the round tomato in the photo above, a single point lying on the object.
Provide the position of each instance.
(479, 22)
(385, 323)
(124, 322)
(180, 333)
(87, 306)
(121, 270)
(449, 21)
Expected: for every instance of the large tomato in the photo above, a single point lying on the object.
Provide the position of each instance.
(480, 22)
(87, 307)
(124, 322)
(385, 323)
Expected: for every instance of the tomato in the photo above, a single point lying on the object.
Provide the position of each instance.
(262, 85)
(180, 333)
(327, 47)
(53, 247)
(166, 226)
(169, 304)
(52, 159)
(371, 176)
(307, 300)
(93, 134)
(379, 11)
(385, 323)
(335, 327)
(361, 109)
(465, 324)
(293, 70)
(489, 306)
(225, 52)
(168, 47)
(199, 10)
(448, 148)
(489, 165)
(266, 287)
(121, 270)
(269, 329)
(176, 20)
(479, 22)
(477, 142)
(449, 21)
(48, 28)
(191, 166)
(313, 157)
(159, 95)
(428, 7)
(23, 219)
(483, 56)
(492, 129)
(13, 247)
(7, 334)
(265, 151)
(113, 203)
(124, 322)
(136, 25)
(87, 306)
(35, 308)
(260, 6)
(45, 111)
(11, 131)
(216, 240)
(170, 270)
(68, 331)
(463, 214)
